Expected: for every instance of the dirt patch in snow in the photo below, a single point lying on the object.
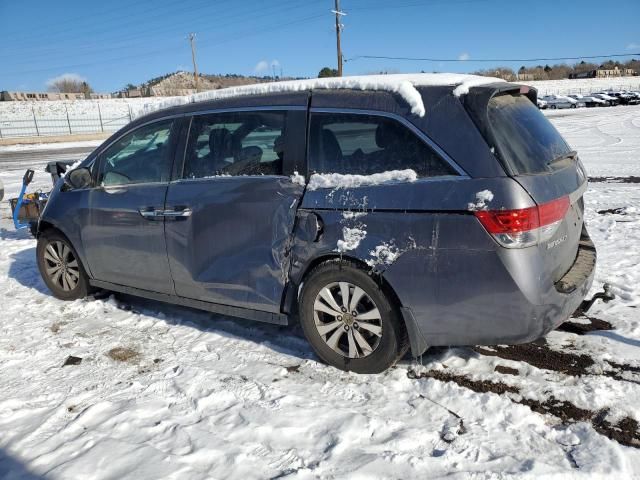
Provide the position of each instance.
(122, 354)
(506, 370)
(71, 360)
(625, 431)
(613, 211)
(541, 356)
(630, 179)
(594, 324)
(479, 386)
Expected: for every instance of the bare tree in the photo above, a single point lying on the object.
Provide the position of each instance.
(69, 83)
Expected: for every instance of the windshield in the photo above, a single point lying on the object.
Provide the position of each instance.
(526, 140)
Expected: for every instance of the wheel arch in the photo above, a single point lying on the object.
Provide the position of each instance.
(46, 226)
(290, 301)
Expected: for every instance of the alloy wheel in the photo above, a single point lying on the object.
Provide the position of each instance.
(61, 265)
(347, 319)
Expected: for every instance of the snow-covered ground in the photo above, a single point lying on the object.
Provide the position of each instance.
(168, 392)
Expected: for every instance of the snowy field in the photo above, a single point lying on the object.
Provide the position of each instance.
(119, 387)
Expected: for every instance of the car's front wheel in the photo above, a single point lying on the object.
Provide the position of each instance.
(349, 320)
(60, 267)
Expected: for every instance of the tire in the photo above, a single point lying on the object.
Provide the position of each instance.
(384, 334)
(573, 105)
(553, 107)
(60, 267)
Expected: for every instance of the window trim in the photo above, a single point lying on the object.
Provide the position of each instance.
(190, 117)
(100, 158)
(415, 130)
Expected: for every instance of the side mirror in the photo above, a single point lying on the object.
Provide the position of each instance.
(79, 178)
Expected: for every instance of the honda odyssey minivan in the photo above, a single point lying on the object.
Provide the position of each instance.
(377, 228)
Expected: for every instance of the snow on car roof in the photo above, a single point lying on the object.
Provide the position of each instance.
(402, 84)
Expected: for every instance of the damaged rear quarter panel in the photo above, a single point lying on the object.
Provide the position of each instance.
(437, 245)
(398, 215)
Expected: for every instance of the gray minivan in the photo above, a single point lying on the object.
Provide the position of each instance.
(377, 229)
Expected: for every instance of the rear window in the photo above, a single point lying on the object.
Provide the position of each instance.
(526, 140)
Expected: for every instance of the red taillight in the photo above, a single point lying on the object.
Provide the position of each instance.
(524, 226)
(523, 219)
(509, 221)
(553, 211)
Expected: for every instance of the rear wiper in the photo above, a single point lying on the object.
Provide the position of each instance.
(572, 155)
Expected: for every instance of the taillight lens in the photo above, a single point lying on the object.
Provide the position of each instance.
(524, 227)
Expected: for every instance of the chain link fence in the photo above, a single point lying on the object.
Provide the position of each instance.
(41, 126)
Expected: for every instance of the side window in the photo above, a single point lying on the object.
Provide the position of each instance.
(239, 143)
(142, 156)
(367, 144)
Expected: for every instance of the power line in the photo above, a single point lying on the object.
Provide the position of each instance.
(524, 60)
(199, 18)
(119, 61)
(431, 3)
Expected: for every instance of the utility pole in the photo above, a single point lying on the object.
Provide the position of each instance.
(339, 26)
(192, 37)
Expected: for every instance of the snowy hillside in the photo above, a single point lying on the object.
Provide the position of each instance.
(122, 388)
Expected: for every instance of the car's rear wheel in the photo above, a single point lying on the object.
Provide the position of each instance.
(553, 107)
(349, 320)
(60, 267)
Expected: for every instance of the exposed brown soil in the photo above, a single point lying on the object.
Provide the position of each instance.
(565, 411)
(583, 328)
(541, 356)
(122, 354)
(624, 432)
(71, 360)
(612, 211)
(480, 386)
(630, 179)
(506, 370)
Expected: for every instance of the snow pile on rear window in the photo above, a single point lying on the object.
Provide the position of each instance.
(338, 180)
(402, 84)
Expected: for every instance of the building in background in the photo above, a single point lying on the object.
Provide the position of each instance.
(7, 96)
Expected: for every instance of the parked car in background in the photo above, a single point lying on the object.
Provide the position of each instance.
(612, 101)
(588, 100)
(625, 98)
(376, 228)
(561, 101)
(542, 105)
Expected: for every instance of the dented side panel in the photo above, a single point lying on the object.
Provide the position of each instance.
(234, 248)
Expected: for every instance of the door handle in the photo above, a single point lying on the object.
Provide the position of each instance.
(149, 213)
(185, 212)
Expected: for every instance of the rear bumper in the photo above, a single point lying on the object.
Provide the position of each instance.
(473, 300)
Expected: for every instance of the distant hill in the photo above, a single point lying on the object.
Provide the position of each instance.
(182, 83)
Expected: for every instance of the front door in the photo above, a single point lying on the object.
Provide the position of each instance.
(232, 246)
(124, 238)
